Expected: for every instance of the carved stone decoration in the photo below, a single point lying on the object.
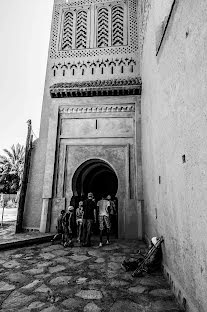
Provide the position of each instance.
(97, 109)
(113, 33)
(69, 69)
(129, 86)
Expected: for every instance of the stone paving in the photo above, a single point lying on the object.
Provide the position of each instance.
(51, 278)
(7, 234)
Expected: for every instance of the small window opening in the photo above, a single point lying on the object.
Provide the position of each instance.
(183, 159)
(63, 72)
(132, 68)
(122, 69)
(96, 124)
(102, 70)
(92, 71)
(112, 69)
(159, 179)
(82, 71)
(54, 73)
(73, 72)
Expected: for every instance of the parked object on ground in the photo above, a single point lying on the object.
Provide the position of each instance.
(150, 262)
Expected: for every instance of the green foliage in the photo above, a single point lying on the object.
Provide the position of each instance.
(11, 169)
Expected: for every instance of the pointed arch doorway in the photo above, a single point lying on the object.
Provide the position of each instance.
(98, 177)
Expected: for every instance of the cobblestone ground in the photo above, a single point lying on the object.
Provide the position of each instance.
(52, 278)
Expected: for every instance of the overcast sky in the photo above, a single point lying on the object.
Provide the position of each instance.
(24, 37)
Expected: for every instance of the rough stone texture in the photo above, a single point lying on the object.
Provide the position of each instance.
(6, 287)
(57, 268)
(126, 306)
(91, 307)
(87, 288)
(60, 280)
(31, 285)
(36, 305)
(138, 289)
(35, 271)
(173, 125)
(11, 264)
(15, 300)
(89, 294)
(79, 258)
(72, 303)
(18, 277)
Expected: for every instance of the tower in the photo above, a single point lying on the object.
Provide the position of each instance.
(90, 138)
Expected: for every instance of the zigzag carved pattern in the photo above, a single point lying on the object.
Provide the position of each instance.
(81, 30)
(67, 31)
(117, 26)
(103, 27)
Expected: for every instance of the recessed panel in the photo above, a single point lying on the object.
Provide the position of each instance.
(100, 127)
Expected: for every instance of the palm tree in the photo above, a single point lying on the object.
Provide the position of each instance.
(11, 168)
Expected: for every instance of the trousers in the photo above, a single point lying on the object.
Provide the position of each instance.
(87, 224)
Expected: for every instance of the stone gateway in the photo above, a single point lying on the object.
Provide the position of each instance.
(90, 137)
(124, 112)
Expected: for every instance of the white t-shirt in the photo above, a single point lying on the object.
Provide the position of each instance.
(103, 206)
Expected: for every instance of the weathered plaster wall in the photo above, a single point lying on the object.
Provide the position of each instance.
(33, 203)
(174, 123)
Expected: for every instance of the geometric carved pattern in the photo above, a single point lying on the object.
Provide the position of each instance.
(97, 109)
(132, 26)
(117, 26)
(81, 30)
(67, 31)
(103, 27)
(123, 66)
(130, 86)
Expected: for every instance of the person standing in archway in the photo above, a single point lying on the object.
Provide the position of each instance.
(79, 220)
(89, 216)
(112, 215)
(103, 215)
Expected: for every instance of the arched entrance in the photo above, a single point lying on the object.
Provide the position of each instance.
(98, 177)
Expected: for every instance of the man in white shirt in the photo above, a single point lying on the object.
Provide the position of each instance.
(103, 215)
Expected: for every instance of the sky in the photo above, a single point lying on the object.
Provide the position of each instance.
(24, 40)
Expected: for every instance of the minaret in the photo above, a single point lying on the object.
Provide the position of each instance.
(90, 123)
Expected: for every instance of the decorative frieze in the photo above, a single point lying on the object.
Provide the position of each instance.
(97, 109)
(129, 86)
(97, 67)
(89, 28)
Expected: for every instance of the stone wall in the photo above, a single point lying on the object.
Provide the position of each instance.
(174, 148)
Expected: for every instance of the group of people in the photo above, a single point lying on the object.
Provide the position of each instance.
(87, 213)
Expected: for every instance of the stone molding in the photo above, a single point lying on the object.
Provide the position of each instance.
(131, 86)
(97, 109)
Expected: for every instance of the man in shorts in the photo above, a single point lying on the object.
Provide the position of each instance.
(103, 215)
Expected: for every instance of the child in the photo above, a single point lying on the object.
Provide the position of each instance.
(59, 227)
(68, 225)
(79, 220)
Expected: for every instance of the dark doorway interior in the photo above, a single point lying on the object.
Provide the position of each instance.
(98, 177)
(95, 176)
